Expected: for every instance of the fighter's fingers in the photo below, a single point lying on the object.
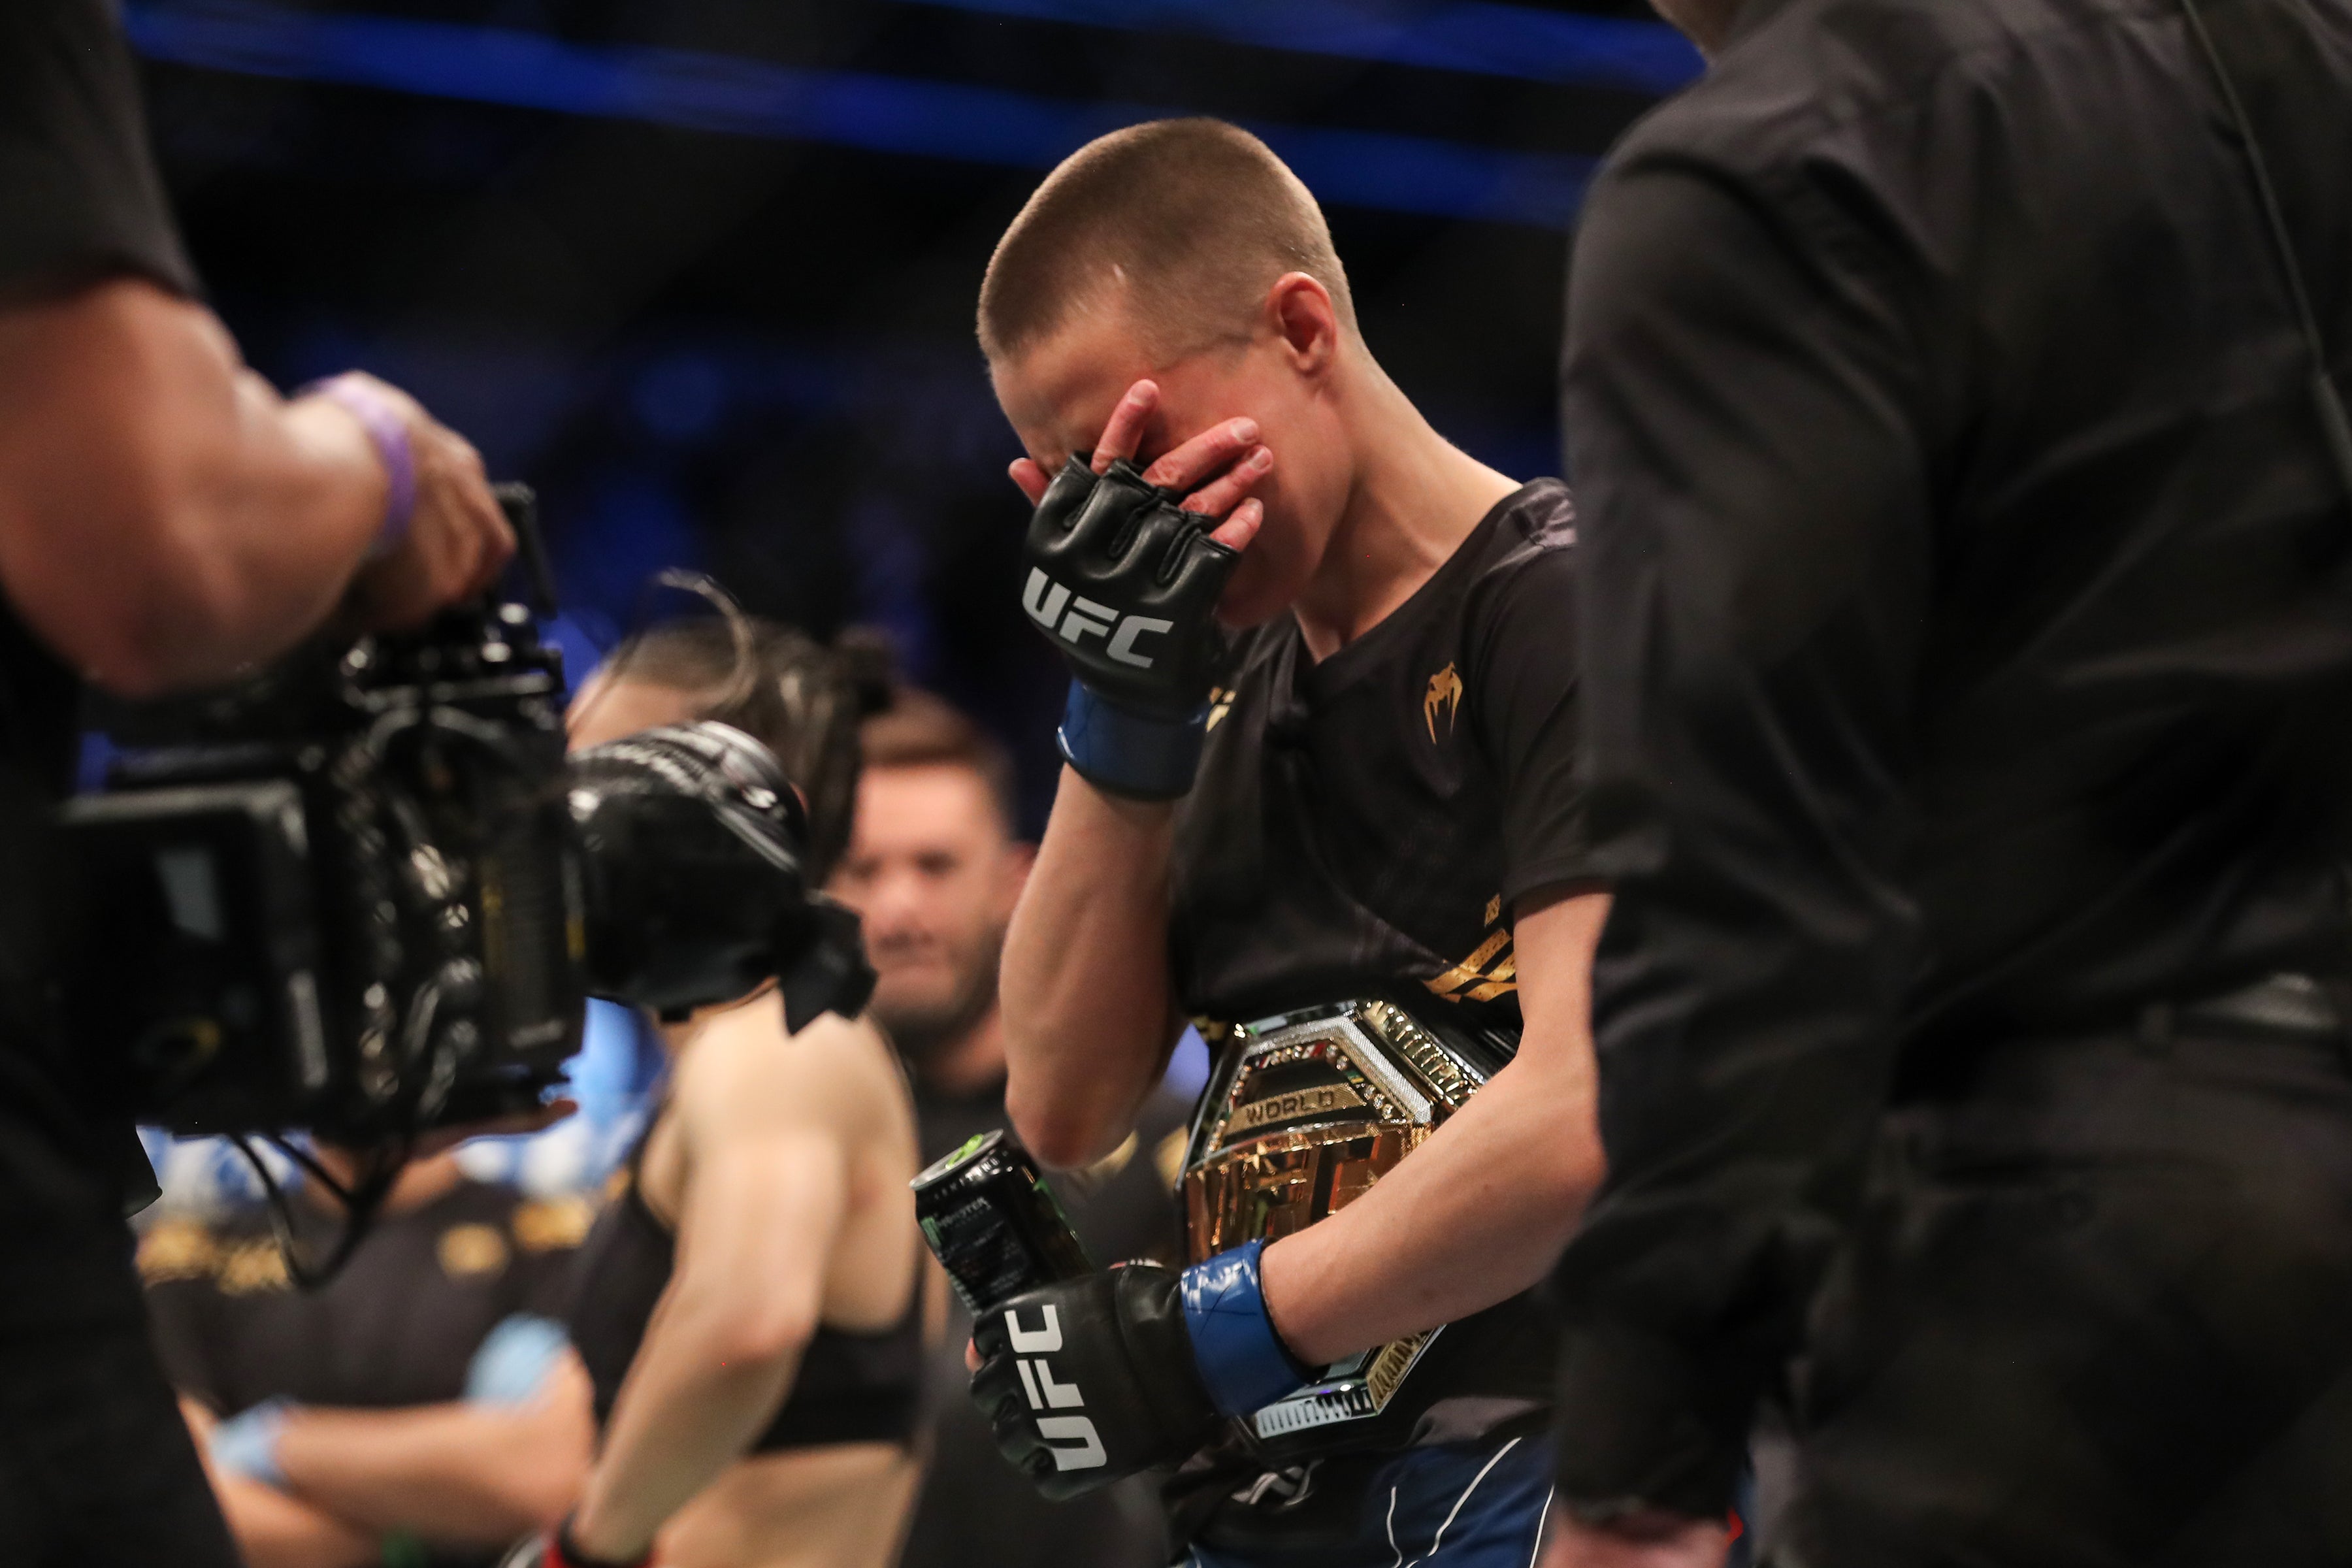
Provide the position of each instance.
(1124, 434)
(1030, 477)
(1207, 453)
(1236, 532)
(1225, 492)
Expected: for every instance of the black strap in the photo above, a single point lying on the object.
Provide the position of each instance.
(2336, 429)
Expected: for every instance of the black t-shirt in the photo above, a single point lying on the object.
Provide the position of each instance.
(397, 1327)
(1370, 820)
(80, 200)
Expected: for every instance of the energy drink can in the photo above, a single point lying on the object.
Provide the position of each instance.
(995, 1224)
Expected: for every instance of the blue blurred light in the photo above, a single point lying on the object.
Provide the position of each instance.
(680, 396)
(1485, 39)
(876, 113)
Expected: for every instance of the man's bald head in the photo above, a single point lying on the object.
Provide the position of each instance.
(1183, 223)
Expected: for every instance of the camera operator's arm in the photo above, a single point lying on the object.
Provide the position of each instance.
(166, 518)
(458, 1474)
(272, 1530)
(1089, 1017)
(768, 1188)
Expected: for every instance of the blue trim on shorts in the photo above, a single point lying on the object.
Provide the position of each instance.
(1453, 1505)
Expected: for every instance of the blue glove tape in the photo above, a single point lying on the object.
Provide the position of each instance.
(1244, 1361)
(246, 1443)
(1127, 753)
(514, 1359)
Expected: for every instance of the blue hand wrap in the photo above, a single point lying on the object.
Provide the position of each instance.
(246, 1443)
(1242, 1360)
(1127, 753)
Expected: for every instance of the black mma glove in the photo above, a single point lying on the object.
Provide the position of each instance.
(1091, 1380)
(1125, 583)
(691, 840)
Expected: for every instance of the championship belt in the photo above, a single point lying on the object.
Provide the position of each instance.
(1305, 1112)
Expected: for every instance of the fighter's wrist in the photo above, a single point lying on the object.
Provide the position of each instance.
(1243, 1360)
(1141, 756)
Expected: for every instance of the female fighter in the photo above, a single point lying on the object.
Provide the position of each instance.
(751, 1306)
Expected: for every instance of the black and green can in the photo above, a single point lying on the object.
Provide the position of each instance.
(995, 1224)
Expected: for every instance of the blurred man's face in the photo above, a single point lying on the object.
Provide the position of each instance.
(1059, 394)
(934, 875)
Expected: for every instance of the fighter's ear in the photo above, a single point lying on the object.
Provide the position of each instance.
(1300, 314)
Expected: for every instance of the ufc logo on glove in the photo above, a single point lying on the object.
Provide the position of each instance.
(1044, 599)
(1125, 582)
(1037, 1383)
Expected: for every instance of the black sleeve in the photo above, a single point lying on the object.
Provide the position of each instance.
(80, 197)
(1745, 417)
(1524, 703)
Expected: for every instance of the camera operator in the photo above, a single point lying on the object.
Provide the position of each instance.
(166, 520)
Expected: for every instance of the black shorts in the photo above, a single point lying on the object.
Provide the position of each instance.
(2099, 1313)
(96, 1465)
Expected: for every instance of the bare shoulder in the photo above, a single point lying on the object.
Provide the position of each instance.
(744, 1069)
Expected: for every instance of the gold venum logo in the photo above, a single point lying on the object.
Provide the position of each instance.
(1321, 1101)
(1491, 970)
(1445, 692)
(1221, 702)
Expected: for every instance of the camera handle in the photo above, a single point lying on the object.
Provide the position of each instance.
(520, 503)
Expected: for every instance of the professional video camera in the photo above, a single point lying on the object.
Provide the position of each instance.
(363, 892)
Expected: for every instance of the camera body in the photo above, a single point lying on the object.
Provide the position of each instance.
(344, 895)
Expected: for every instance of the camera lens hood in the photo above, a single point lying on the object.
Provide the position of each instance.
(692, 848)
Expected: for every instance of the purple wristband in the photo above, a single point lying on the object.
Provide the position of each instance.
(388, 432)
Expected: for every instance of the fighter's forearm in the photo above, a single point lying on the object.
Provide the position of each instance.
(1088, 1021)
(1477, 1213)
(274, 1530)
(455, 1473)
(1482, 1210)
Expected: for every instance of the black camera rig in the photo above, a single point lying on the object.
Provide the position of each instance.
(363, 893)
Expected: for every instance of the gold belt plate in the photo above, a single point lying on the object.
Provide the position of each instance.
(1315, 1107)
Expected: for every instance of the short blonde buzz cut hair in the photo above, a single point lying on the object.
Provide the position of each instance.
(1191, 220)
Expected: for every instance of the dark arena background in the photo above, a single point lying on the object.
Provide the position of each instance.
(703, 271)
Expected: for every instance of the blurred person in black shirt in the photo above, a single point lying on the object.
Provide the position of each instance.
(934, 869)
(420, 1408)
(1968, 638)
(166, 520)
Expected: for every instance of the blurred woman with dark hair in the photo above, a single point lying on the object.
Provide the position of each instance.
(751, 1308)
